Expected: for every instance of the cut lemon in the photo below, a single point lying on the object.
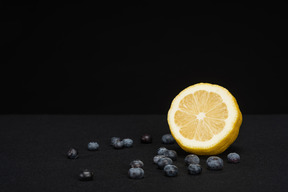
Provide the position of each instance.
(204, 119)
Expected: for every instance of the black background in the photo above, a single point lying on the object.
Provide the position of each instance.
(78, 58)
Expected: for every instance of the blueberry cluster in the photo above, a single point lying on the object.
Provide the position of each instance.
(136, 171)
(193, 163)
(164, 160)
(117, 143)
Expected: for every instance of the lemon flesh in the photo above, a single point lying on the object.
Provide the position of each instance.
(204, 119)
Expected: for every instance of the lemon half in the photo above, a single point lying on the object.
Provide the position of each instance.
(204, 119)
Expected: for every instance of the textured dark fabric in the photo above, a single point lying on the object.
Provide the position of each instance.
(33, 148)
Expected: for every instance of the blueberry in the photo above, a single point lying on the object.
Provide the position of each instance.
(127, 142)
(136, 173)
(86, 175)
(192, 159)
(171, 170)
(163, 162)
(92, 146)
(214, 163)
(194, 169)
(168, 139)
(146, 138)
(157, 157)
(118, 144)
(233, 158)
(161, 150)
(171, 154)
(137, 164)
(114, 140)
(72, 153)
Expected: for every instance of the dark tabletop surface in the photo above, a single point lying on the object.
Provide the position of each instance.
(33, 155)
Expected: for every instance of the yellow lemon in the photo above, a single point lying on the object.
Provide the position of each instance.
(204, 119)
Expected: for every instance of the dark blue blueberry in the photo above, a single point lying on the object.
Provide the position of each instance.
(233, 158)
(171, 154)
(157, 157)
(86, 175)
(189, 159)
(72, 153)
(127, 142)
(162, 162)
(137, 164)
(136, 173)
(118, 144)
(161, 150)
(171, 170)
(168, 139)
(114, 140)
(92, 146)
(194, 169)
(214, 163)
(146, 138)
